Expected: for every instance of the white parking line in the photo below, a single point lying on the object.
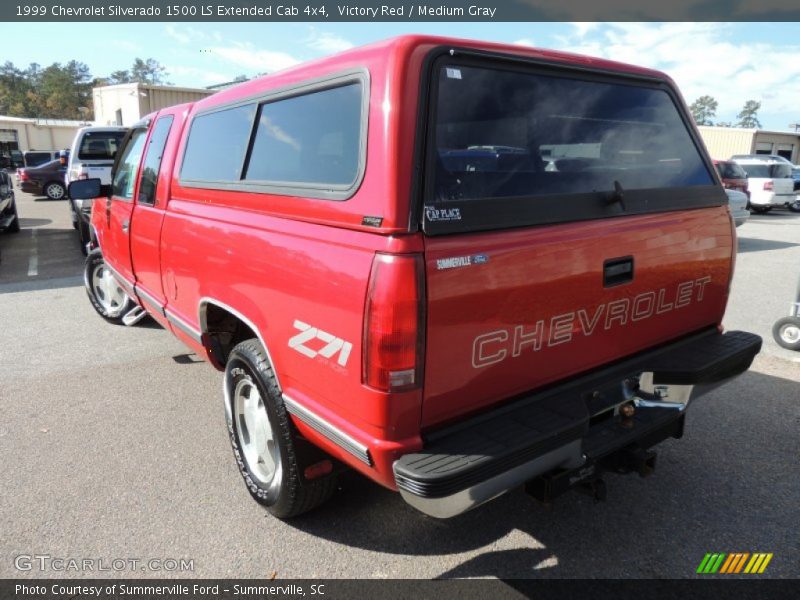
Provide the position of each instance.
(33, 261)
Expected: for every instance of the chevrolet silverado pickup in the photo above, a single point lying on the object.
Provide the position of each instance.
(456, 267)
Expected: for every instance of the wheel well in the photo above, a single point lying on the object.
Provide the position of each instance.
(224, 330)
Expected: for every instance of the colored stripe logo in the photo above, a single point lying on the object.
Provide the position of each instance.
(734, 563)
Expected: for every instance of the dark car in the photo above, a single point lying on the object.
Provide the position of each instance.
(9, 220)
(46, 180)
(733, 176)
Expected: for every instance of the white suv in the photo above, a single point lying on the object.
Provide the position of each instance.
(769, 182)
(92, 155)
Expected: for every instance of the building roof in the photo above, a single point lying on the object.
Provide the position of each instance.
(753, 130)
(46, 122)
(147, 86)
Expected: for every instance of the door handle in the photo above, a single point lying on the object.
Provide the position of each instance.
(126, 224)
(617, 271)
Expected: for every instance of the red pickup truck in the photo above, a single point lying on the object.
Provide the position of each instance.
(456, 267)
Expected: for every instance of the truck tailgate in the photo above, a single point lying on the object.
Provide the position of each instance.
(511, 311)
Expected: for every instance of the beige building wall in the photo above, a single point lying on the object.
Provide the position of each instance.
(775, 142)
(126, 103)
(724, 142)
(42, 134)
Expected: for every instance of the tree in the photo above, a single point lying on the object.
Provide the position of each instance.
(703, 110)
(123, 76)
(148, 71)
(748, 117)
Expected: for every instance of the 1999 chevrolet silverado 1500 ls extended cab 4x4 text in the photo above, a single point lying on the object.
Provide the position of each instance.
(456, 267)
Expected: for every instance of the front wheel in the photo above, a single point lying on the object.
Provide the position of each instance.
(107, 297)
(794, 206)
(761, 210)
(786, 332)
(55, 190)
(264, 440)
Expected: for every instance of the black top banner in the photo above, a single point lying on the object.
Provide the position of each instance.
(397, 10)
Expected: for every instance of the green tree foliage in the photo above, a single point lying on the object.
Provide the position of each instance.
(55, 92)
(748, 116)
(64, 91)
(703, 110)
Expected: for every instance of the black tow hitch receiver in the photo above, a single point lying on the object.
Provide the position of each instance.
(588, 479)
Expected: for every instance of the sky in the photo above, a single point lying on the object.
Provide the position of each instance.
(733, 62)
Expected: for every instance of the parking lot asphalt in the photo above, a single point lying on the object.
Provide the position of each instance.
(113, 446)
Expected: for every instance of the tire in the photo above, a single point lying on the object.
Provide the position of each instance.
(108, 299)
(786, 332)
(761, 210)
(55, 190)
(14, 226)
(794, 206)
(264, 441)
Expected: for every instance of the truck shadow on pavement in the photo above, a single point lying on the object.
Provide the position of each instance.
(759, 245)
(711, 491)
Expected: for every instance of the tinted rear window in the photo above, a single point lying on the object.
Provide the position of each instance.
(313, 138)
(767, 171)
(501, 134)
(516, 134)
(100, 145)
(730, 170)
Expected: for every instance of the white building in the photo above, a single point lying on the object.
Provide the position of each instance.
(126, 103)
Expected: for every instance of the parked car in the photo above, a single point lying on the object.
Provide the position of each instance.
(44, 180)
(769, 183)
(9, 218)
(92, 154)
(732, 175)
(17, 159)
(737, 204)
(450, 334)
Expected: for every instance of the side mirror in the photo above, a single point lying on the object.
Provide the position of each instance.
(85, 189)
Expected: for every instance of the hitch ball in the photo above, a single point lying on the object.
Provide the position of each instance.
(627, 410)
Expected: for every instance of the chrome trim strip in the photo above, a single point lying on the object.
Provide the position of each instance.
(334, 434)
(150, 300)
(183, 326)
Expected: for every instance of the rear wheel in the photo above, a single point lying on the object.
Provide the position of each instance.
(786, 332)
(55, 190)
(264, 441)
(107, 297)
(13, 227)
(794, 206)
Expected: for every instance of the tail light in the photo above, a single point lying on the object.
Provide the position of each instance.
(768, 186)
(394, 323)
(23, 176)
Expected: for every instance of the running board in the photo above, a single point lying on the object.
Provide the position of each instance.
(133, 316)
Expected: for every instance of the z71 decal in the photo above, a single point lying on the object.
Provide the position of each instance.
(330, 347)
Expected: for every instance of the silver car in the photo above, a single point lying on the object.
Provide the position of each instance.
(737, 204)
